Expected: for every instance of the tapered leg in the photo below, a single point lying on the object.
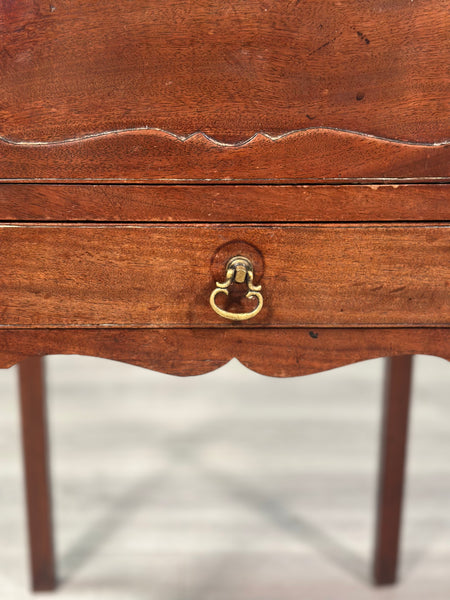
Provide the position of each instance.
(37, 476)
(392, 468)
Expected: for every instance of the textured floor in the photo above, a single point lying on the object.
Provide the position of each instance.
(229, 486)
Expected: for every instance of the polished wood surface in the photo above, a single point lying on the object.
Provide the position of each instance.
(100, 100)
(276, 352)
(77, 67)
(224, 203)
(209, 91)
(162, 275)
(313, 155)
(37, 473)
(394, 440)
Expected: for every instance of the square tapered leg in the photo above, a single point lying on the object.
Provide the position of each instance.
(392, 468)
(37, 474)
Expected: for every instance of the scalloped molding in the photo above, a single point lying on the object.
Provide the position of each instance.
(156, 156)
(196, 135)
(279, 353)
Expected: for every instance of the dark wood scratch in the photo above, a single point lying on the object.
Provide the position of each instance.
(325, 44)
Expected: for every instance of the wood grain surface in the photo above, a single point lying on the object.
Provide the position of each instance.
(75, 67)
(218, 91)
(275, 352)
(150, 156)
(224, 203)
(36, 461)
(392, 469)
(162, 275)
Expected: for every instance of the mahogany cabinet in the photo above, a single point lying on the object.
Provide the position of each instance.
(186, 182)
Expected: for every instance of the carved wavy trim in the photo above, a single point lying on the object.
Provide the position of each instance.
(154, 155)
(280, 353)
(200, 134)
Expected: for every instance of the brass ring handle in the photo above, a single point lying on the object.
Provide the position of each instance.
(236, 316)
(238, 270)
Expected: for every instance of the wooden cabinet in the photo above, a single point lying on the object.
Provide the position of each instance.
(144, 144)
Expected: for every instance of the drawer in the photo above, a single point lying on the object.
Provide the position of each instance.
(339, 275)
(224, 203)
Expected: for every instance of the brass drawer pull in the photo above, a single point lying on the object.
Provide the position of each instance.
(238, 270)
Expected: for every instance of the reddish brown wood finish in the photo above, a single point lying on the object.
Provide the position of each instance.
(303, 91)
(313, 155)
(224, 203)
(37, 473)
(392, 468)
(75, 67)
(147, 92)
(275, 352)
(161, 275)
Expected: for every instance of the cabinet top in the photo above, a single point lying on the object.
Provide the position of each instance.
(224, 90)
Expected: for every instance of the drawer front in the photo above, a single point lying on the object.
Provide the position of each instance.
(109, 275)
(224, 203)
